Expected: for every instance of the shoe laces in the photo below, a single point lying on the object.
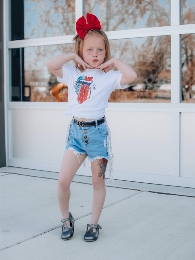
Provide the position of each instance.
(71, 219)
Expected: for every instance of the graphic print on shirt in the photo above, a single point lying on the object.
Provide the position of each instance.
(83, 88)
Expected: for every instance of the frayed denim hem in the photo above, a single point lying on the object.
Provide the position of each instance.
(97, 158)
(110, 156)
(76, 153)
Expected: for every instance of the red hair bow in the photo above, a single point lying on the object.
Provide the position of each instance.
(83, 27)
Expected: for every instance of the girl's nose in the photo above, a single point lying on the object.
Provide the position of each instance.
(94, 53)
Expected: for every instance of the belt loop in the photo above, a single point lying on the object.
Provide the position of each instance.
(96, 123)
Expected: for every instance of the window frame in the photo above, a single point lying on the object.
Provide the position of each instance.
(175, 107)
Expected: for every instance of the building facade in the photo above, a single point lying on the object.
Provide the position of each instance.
(2, 119)
(152, 121)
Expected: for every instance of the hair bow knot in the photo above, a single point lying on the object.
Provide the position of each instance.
(82, 27)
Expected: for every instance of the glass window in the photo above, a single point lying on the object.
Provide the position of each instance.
(31, 80)
(150, 57)
(121, 15)
(42, 18)
(188, 68)
(188, 11)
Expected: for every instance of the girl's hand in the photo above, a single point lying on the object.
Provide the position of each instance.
(79, 61)
(128, 74)
(55, 64)
(106, 66)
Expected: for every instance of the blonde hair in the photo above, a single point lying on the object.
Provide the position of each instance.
(79, 43)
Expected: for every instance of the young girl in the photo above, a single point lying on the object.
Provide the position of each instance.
(90, 83)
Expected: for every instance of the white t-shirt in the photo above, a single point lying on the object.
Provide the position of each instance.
(89, 91)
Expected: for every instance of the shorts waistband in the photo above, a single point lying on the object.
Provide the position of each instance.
(92, 123)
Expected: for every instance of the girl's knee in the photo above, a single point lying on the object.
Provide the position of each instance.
(64, 182)
(98, 182)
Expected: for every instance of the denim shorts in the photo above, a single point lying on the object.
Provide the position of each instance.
(94, 141)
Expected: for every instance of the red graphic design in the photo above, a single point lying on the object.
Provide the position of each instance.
(82, 88)
(83, 94)
(88, 78)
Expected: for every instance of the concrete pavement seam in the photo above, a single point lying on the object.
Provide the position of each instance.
(88, 183)
(174, 194)
(22, 241)
(27, 175)
(117, 187)
(87, 214)
(3, 174)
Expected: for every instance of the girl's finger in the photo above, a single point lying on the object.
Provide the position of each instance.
(88, 66)
(103, 66)
(107, 69)
(100, 67)
(84, 66)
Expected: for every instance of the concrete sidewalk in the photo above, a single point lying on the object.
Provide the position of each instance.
(139, 221)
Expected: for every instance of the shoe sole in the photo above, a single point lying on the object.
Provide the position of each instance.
(90, 240)
(66, 238)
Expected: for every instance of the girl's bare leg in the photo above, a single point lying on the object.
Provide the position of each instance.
(98, 168)
(70, 165)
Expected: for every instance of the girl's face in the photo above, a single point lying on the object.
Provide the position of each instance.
(94, 50)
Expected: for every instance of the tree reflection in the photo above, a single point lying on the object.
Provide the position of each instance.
(122, 14)
(188, 67)
(49, 18)
(188, 11)
(152, 63)
(188, 53)
(44, 85)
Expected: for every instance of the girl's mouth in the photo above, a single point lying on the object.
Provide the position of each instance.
(95, 60)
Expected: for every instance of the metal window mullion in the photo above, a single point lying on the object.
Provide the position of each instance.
(175, 12)
(175, 68)
(6, 78)
(122, 34)
(21, 75)
(79, 8)
(175, 88)
(175, 52)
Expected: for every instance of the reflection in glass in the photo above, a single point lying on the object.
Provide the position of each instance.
(121, 15)
(188, 11)
(42, 18)
(17, 21)
(150, 57)
(31, 81)
(188, 67)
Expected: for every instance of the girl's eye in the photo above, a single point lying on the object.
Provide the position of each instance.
(89, 49)
(100, 49)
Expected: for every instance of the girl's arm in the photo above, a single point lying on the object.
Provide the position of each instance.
(55, 64)
(128, 74)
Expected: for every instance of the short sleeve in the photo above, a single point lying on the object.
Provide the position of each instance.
(67, 73)
(115, 78)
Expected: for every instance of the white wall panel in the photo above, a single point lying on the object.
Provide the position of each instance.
(141, 141)
(38, 135)
(142, 144)
(187, 145)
